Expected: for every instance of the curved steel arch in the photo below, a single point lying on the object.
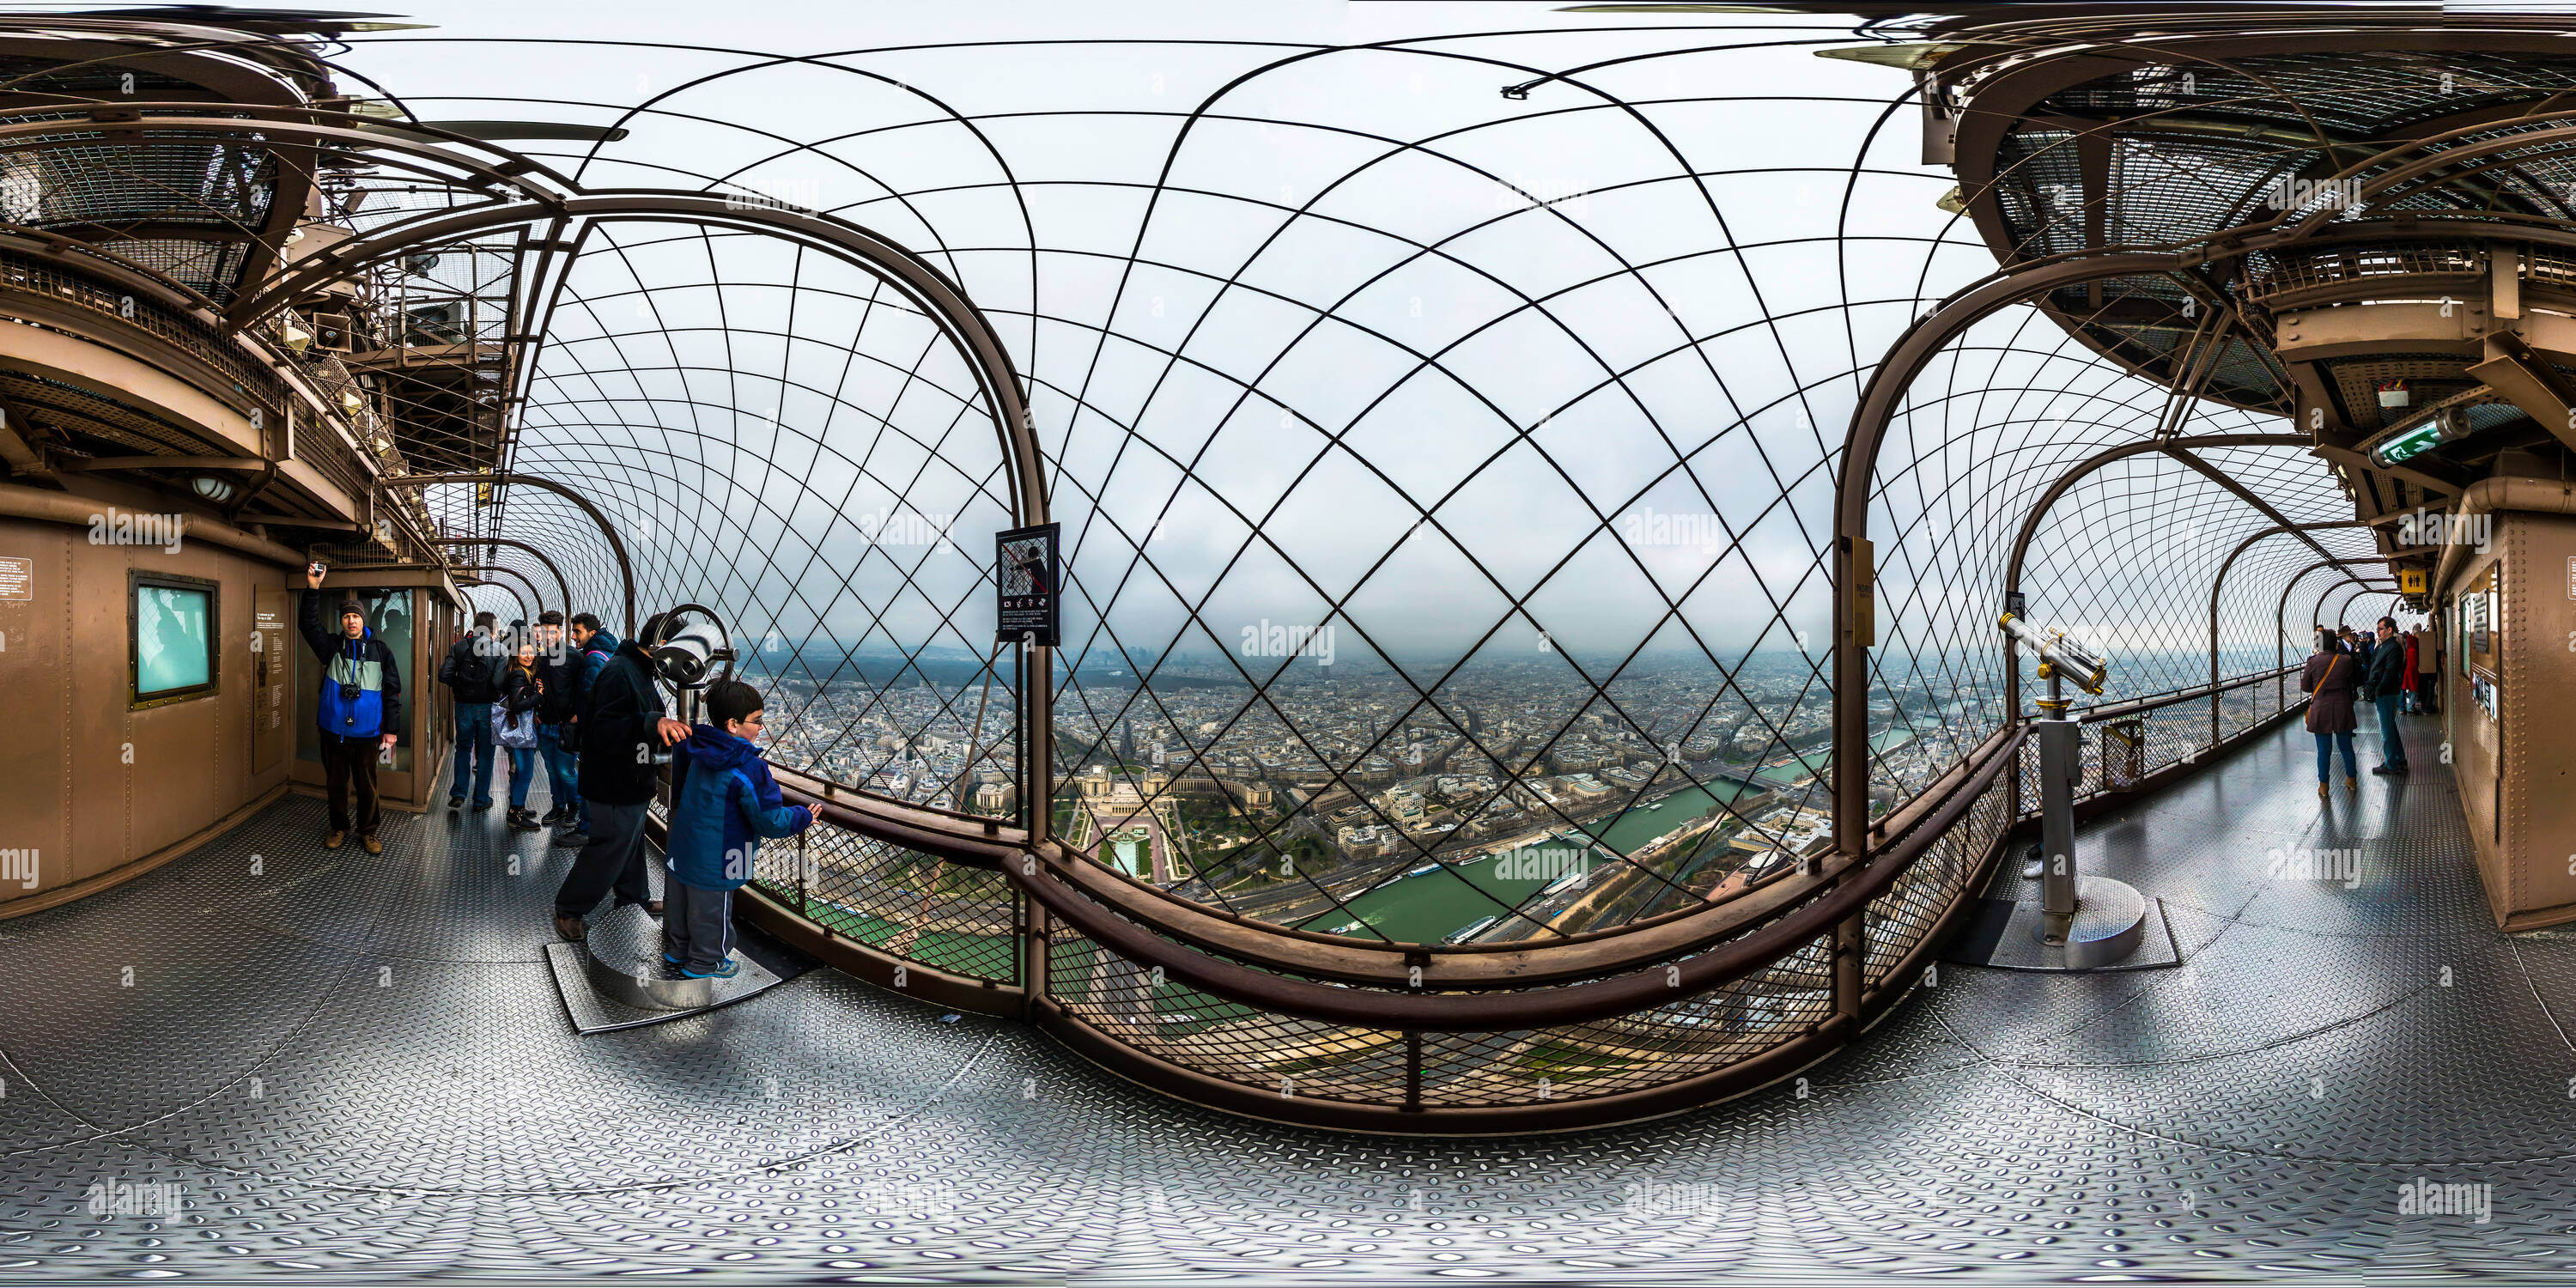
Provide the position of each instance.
(616, 545)
(2219, 583)
(562, 587)
(512, 590)
(2281, 615)
(1887, 387)
(941, 300)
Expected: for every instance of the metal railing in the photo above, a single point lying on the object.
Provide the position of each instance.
(2174, 732)
(1790, 983)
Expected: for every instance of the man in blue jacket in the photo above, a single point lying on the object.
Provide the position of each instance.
(727, 803)
(359, 710)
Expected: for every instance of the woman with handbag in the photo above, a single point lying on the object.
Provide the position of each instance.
(2328, 682)
(521, 690)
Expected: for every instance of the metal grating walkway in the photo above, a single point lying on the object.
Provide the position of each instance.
(358, 1066)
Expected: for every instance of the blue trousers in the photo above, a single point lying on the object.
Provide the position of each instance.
(474, 742)
(2391, 751)
(2327, 745)
(523, 774)
(563, 785)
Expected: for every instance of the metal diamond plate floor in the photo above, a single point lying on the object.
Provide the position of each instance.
(356, 1066)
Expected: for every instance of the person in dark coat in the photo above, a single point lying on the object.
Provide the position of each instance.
(623, 722)
(2328, 682)
(2387, 674)
(555, 659)
(474, 670)
(359, 712)
(2408, 697)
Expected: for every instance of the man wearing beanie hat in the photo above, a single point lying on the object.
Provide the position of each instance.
(359, 711)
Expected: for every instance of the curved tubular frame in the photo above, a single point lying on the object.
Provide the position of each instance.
(483, 581)
(616, 546)
(2218, 585)
(2281, 647)
(1887, 388)
(2171, 446)
(1793, 919)
(2177, 448)
(562, 587)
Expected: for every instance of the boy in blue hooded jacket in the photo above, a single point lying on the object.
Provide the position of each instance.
(727, 804)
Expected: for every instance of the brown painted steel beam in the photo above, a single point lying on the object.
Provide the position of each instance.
(2511, 368)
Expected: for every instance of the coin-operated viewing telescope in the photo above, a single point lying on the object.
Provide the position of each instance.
(2081, 922)
(688, 655)
(2060, 658)
(685, 653)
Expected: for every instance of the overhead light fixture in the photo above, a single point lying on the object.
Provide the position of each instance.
(214, 488)
(2413, 443)
(350, 402)
(296, 337)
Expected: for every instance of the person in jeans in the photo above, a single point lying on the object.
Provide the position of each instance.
(521, 692)
(725, 802)
(472, 674)
(2328, 681)
(359, 709)
(554, 707)
(622, 723)
(593, 646)
(2406, 678)
(2428, 667)
(2387, 673)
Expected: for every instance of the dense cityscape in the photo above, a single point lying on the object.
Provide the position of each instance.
(1517, 800)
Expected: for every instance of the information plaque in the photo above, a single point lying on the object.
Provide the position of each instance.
(1027, 575)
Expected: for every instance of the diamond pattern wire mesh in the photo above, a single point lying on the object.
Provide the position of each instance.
(902, 902)
(780, 436)
(1322, 370)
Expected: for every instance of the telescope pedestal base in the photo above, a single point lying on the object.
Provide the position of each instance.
(616, 979)
(2115, 928)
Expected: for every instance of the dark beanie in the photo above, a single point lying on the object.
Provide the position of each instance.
(351, 605)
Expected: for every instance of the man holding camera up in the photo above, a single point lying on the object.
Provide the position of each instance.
(359, 711)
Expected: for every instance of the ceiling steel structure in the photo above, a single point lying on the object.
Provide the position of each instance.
(1388, 469)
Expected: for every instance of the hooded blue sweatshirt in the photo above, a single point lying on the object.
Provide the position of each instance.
(727, 803)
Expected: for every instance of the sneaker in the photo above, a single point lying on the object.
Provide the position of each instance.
(373, 845)
(2384, 769)
(456, 802)
(573, 840)
(552, 817)
(654, 907)
(482, 805)
(724, 970)
(571, 928)
(670, 960)
(2350, 783)
(334, 840)
(2321, 789)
